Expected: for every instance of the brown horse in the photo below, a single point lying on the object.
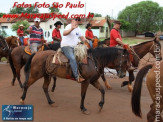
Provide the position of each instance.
(97, 59)
(139, 51)
(12, 42)
(18, 58)
(4, 48)
(154, 83)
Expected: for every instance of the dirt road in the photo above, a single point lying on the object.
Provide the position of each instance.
(117, 107)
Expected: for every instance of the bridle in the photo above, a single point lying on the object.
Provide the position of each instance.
(132, 49)
(4, 48)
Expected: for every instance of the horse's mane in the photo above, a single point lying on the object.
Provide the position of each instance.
(105, 55)
(54, 46)
(103, 42)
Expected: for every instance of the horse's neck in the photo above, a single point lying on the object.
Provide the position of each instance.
(142, 50)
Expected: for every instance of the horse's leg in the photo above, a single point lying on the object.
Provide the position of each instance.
(26, 86)
(97, 85)
(18, 76)
(108, 86)
(84, 86)
(45, 87)
(54, 84)
(151, 113)
(131, 79)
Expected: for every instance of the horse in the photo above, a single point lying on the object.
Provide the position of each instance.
(13, 42)
(154, 83)
(98, 58)
(4, 48)
(138, 52)
(18, 58)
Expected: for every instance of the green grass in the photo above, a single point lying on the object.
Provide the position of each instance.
(130, 41)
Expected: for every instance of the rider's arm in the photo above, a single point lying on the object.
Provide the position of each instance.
(55, 38)
(119, 41)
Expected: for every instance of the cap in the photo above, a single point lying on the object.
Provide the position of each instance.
(37, 20)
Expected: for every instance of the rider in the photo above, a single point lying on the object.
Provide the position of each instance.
(20, 33)
(36, 35)
(56, 35)
(116, 40)
(115, 37)
(89, 34)
(71, 36)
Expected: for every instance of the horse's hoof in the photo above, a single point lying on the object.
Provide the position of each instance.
(109, 88)
(12, 84)
(21, 101)
(124, 83)
(100, 108)
(130, 88)
(51, 102)
(86, 112)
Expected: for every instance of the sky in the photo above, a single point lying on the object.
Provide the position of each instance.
(104, 7)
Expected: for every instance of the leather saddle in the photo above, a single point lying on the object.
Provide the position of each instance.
(27, 49)
(60, 58)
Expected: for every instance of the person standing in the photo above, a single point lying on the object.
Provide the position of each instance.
(36, 35)
(56, 35)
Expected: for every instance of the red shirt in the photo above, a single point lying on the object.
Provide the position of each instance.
(20, 32)
(113, 35)
(56, 33)
(89, 33)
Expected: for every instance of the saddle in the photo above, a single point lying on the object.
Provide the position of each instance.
(59, 58)
(27, 49)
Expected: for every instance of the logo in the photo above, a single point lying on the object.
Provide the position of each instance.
(17, 112)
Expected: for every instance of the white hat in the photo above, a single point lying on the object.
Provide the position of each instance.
(37, 19)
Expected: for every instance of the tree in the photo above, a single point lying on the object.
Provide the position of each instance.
(143, 16)
(53, 9)
(3, 33)
(20, 10)
(96, 14)
(32, 10)
(16, 25)
(125, 25)
(16, 10)
(1, 14)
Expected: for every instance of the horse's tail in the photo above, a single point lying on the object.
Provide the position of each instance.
(11, 64)
(135, 99)
(27, 68)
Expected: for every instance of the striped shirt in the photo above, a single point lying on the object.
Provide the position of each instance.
(36, 35)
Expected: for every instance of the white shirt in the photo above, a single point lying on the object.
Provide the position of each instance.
(72, 38)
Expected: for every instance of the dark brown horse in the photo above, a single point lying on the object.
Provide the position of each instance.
(98, 58)
(139, 51)
(4, 48)
(18, 58)
(154, 83)
(12, 42)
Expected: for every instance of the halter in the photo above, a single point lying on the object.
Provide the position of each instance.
(4, 48)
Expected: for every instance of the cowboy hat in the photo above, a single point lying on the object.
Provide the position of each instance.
(58, 23)
(21, 25)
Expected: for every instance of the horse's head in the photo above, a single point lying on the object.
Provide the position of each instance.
(122, 62)
(155, 49)
(13, 41)
(3, 44)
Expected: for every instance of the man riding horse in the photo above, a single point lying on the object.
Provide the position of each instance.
(71, 36)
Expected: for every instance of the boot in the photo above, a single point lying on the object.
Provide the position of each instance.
(80, 79)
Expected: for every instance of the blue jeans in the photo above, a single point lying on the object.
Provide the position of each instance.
(90, 43)
(21, 39)
(69, 53)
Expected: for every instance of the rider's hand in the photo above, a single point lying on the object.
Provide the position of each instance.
(126, 46)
